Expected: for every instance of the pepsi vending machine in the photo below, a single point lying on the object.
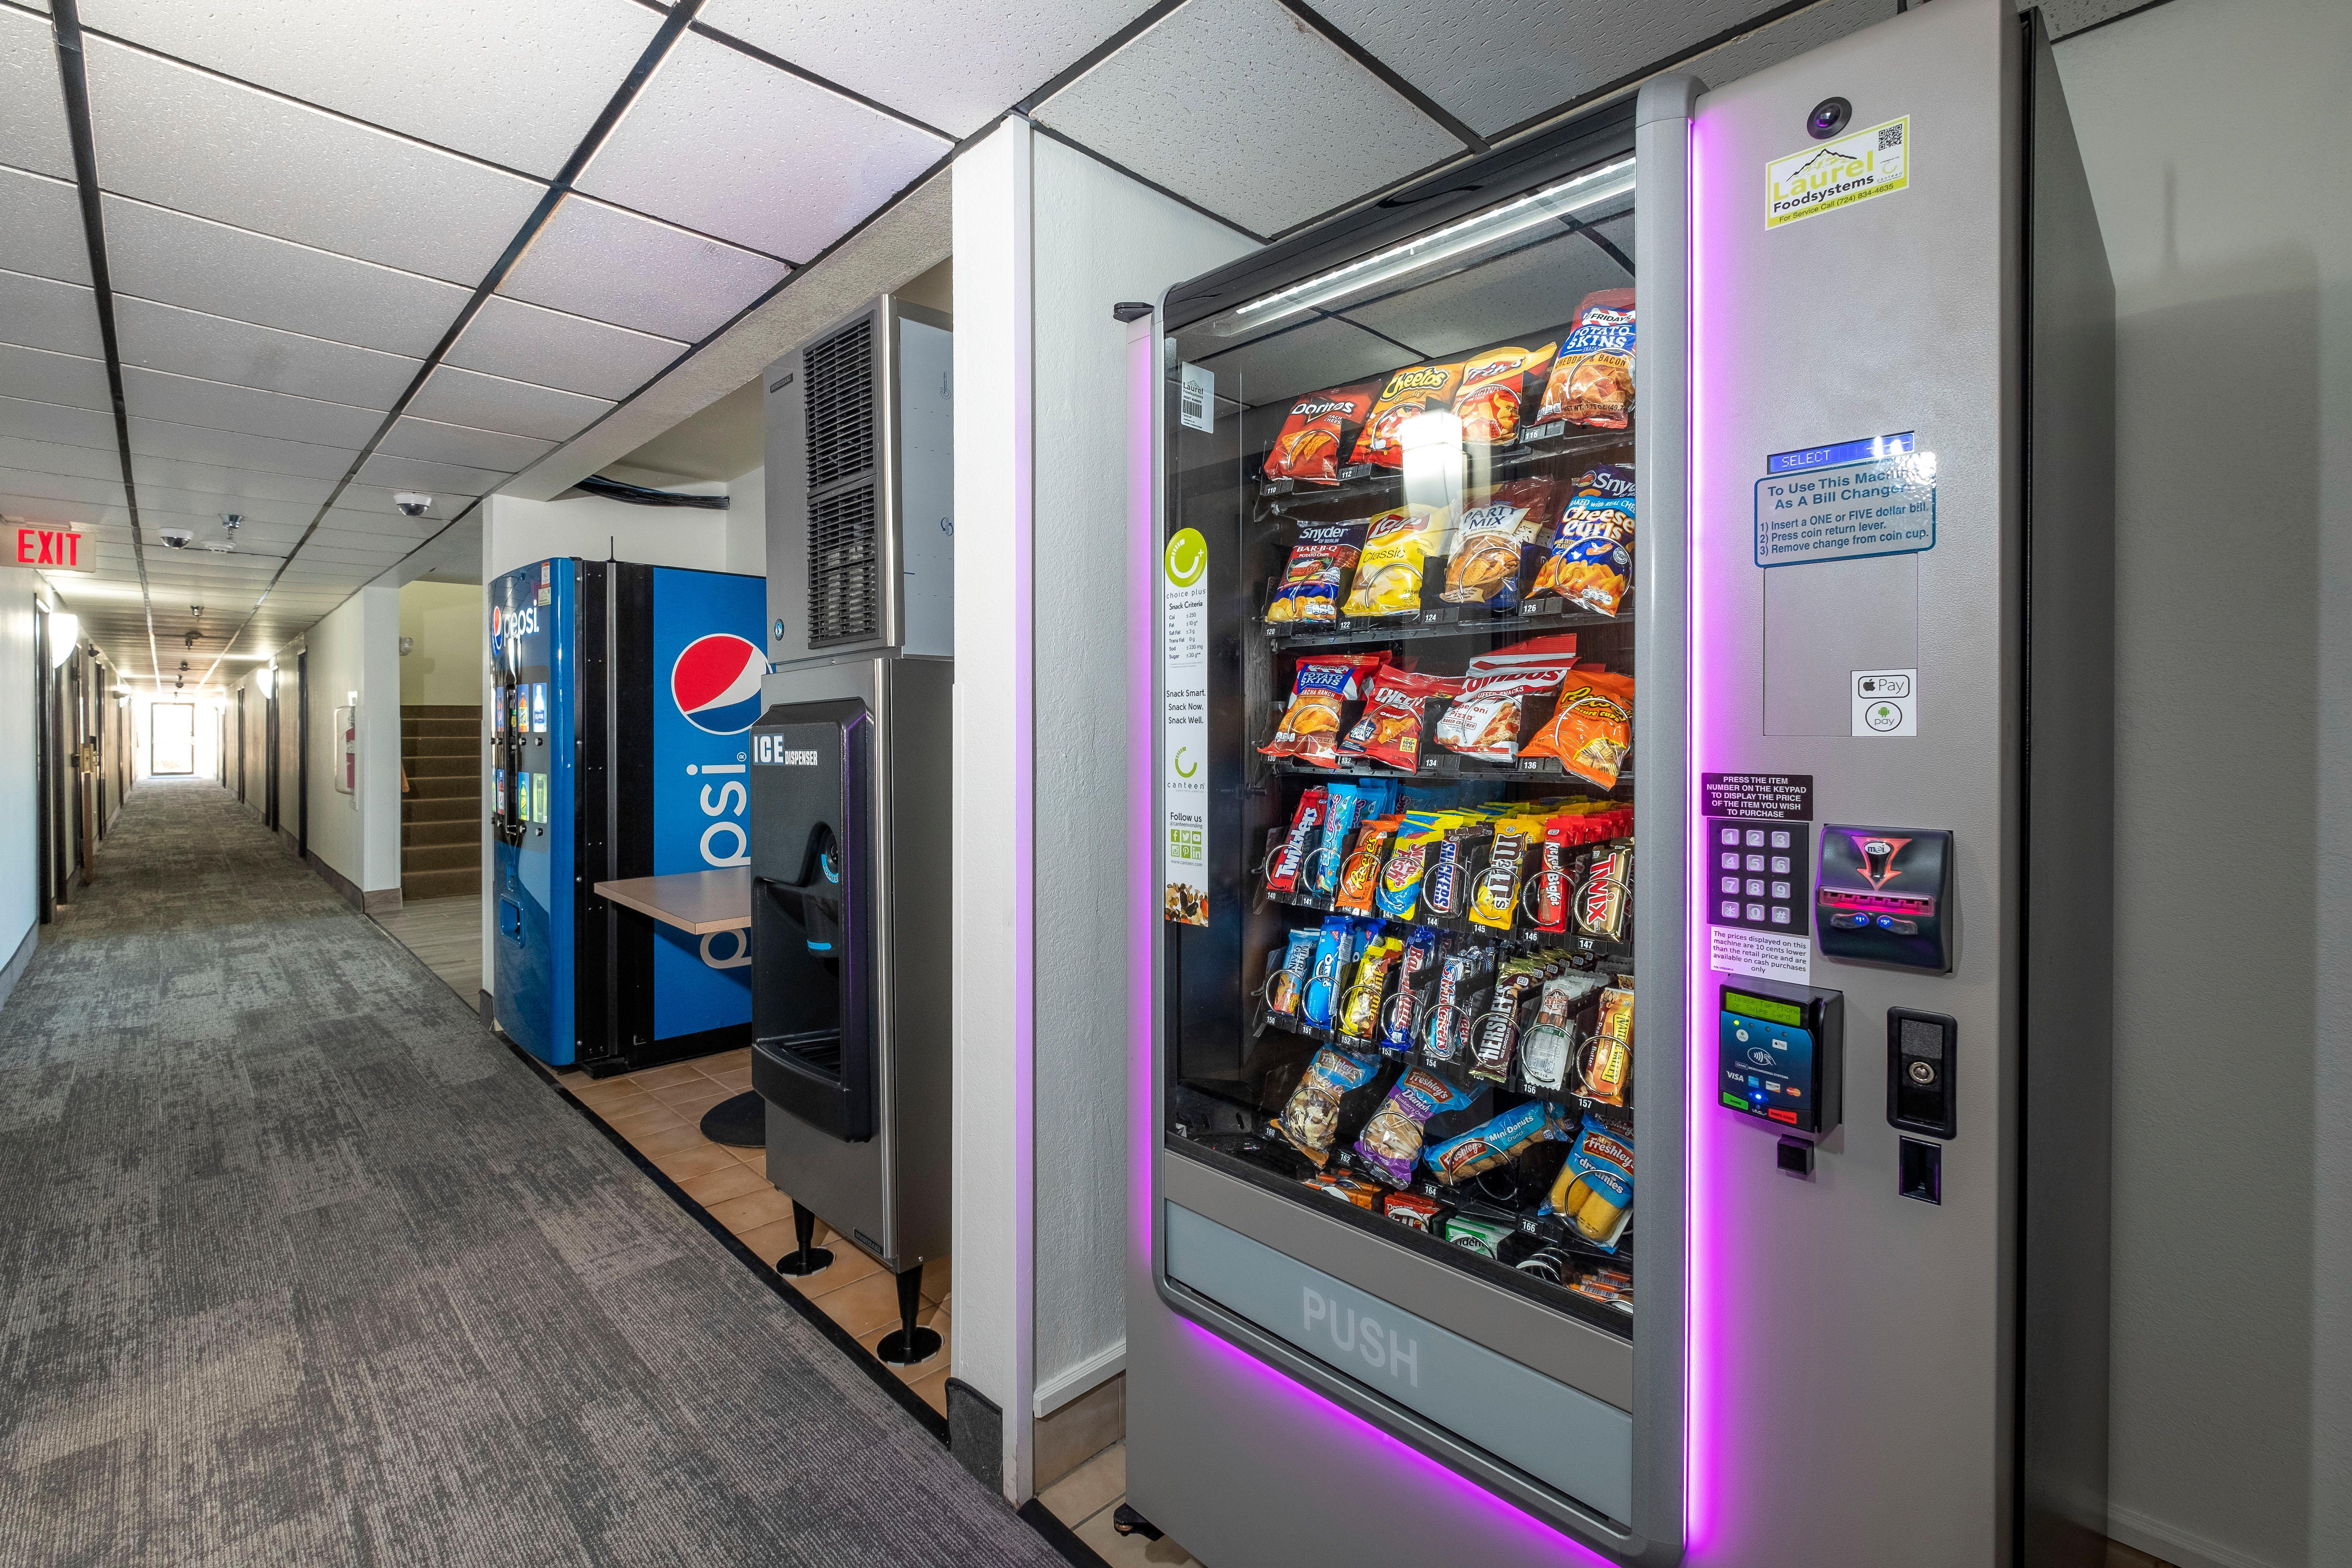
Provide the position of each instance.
(624, 695)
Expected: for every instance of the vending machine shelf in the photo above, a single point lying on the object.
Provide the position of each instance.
(1530, 619)
(1532, 445)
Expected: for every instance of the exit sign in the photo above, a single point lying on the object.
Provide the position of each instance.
(51, 550)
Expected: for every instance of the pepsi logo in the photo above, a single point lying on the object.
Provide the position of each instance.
(716, 683)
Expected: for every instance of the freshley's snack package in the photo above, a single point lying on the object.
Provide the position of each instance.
(1315, 436)
(1591, 382)
(1311, 1119)
(1592, 561)
(1310, 726)
(1493, 540)
(1484, 720)
(1397, 549)
(1496, 383)
(1491, 1143)
(1390, 1144)
(1595, 1190)
(1407, 394)
(1592, 728)
(1310, 591)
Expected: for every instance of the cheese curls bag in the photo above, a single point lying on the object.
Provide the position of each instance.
(1315, 437)
(1398, 546)
(1310, 725)
(1592, 728)
(1592, 380)
(1592, 561)
(1308, 594)
(1407, 394)
(1493, 541)
(1496, 383)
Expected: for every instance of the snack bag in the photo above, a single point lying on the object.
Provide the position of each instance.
(1496, 382)
(1592, 561)
(1407, 394)
(1305, 831)
(1412, 1210)
(1334, 945)
(1481, 1234)
(1349, 1188)
(1416, 968)
(1310, 726)
(1307, 449)
(1359, 870)
(1285, 990)
(1492, 541)
(1604, 899)
(1343, 808)
(1389, 729)
(1308, 594)
(1397, 547)
(1390, 1143)
(1400, 889)
(1491, 1143)
(1591, 382)
(1311, 1118)
(1605, 1064)
(1359, 1005)
(1592, 728)
(1595, 1188)
(1484, 720)
(1546, 1050)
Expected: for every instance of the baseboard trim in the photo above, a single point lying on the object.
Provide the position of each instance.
(14, 970)
(2170, 1544)
(1082, 1379)
(378, 901)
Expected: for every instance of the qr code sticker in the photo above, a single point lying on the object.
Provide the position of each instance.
(1889, 136)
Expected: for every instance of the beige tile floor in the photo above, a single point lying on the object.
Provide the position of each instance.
(1084, 1499)
(659, 1109)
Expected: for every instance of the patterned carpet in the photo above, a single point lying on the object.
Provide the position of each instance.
(299, 1266)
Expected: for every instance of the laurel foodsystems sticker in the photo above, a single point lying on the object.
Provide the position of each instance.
(1184, 727)
(1833, 174)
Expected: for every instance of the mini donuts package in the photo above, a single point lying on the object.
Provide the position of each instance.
(1491, 1143)
(1308, 594)
(1324, 685)
(1591, 382)
(1315, 437)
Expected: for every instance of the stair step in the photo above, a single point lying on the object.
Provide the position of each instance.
(466, 829)
(416, 858)
(466, 785)
(441, 711)
(439, 746)
(439, 729)
(417, 886)
(442, 808)
(463, 765)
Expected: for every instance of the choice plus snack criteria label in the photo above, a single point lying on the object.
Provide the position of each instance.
(1184, 728)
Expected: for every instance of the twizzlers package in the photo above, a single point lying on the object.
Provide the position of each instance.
(1315, 436)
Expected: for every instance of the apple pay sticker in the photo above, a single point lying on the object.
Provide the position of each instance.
(1885, 703)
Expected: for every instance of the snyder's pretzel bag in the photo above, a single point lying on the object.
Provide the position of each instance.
(1310, 725)
(1389, 729)
(1390, 1144)
(1406, 395)
(1315, 437)
(1592, 561)
(1310, 590)
(1484, 720)
(1492, 541)
(1592, 728)
(1397, 551)
(1591, 382)
(1311, 1119)
(1496, 383)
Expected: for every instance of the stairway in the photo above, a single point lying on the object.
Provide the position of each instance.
(441, 814)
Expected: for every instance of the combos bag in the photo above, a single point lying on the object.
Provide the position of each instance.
(1591, 382)
(1497, 384)
(1314, 438)
(1592, 728)
(1494, 539)
(1484, 720)
(1397, 551)
(1310, 1121)
(1592, 561)
(1390, 1144)
(1310, 591)
(1595, 1190)
(1406, 395)
(1310, 725)
(1389, 730)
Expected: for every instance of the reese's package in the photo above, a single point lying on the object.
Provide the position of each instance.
(1308, 594)
(1315, 437)
(1592, 380)
(1310, 726)
(1483, 721)
(1494, 539)
(1497, 386)
(1592, 728)
(1390, 1143)
(1398, 547)
(1407, 394)
(1311, 1121)
(1359, 868)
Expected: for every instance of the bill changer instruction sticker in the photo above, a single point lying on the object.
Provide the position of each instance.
(1846, 502)
(1833, 174)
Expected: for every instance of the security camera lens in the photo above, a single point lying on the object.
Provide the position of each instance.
(1829, 117)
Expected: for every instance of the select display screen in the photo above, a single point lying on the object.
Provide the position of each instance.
(1764, 1007)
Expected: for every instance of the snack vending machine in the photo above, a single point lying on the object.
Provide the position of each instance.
(1628, 644)
(622, 696)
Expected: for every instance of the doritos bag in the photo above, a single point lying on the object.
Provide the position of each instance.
(1592, 728)
(1315, 436)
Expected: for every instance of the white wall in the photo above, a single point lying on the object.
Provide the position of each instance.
(747, 523)
(1046, 241)
(443, 624)
(2218, 143)
(357, 649)
(20, 841)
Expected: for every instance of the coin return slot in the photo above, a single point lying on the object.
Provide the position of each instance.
(1922, 1171)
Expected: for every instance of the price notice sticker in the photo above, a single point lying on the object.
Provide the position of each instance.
(1184, 728)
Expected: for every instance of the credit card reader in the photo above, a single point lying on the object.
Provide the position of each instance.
(1781, 1056)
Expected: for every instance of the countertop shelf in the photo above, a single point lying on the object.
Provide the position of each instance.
(696, 902)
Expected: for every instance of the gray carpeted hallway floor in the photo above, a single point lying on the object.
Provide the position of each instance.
(299, 1266)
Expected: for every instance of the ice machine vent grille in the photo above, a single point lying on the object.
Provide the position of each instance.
(844, 567)
(841, 404)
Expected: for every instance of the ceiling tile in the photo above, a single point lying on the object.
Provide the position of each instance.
(439, 443)
(226, 483)
(595, 260)
(722, 142)
(957, 67)
(23, 456)
(217, 405)
(344, 517)
(510, 337)
(161, 254)
(276, 519)
(32, 105)
(518, 83)
(215, 348)
(236, 449)
(43, 313)
(1249, 82)
(56, 424)
(447, 482)
(199, 145)
(56, 498)
(53, 377)
(489, 403)
(43, 235)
